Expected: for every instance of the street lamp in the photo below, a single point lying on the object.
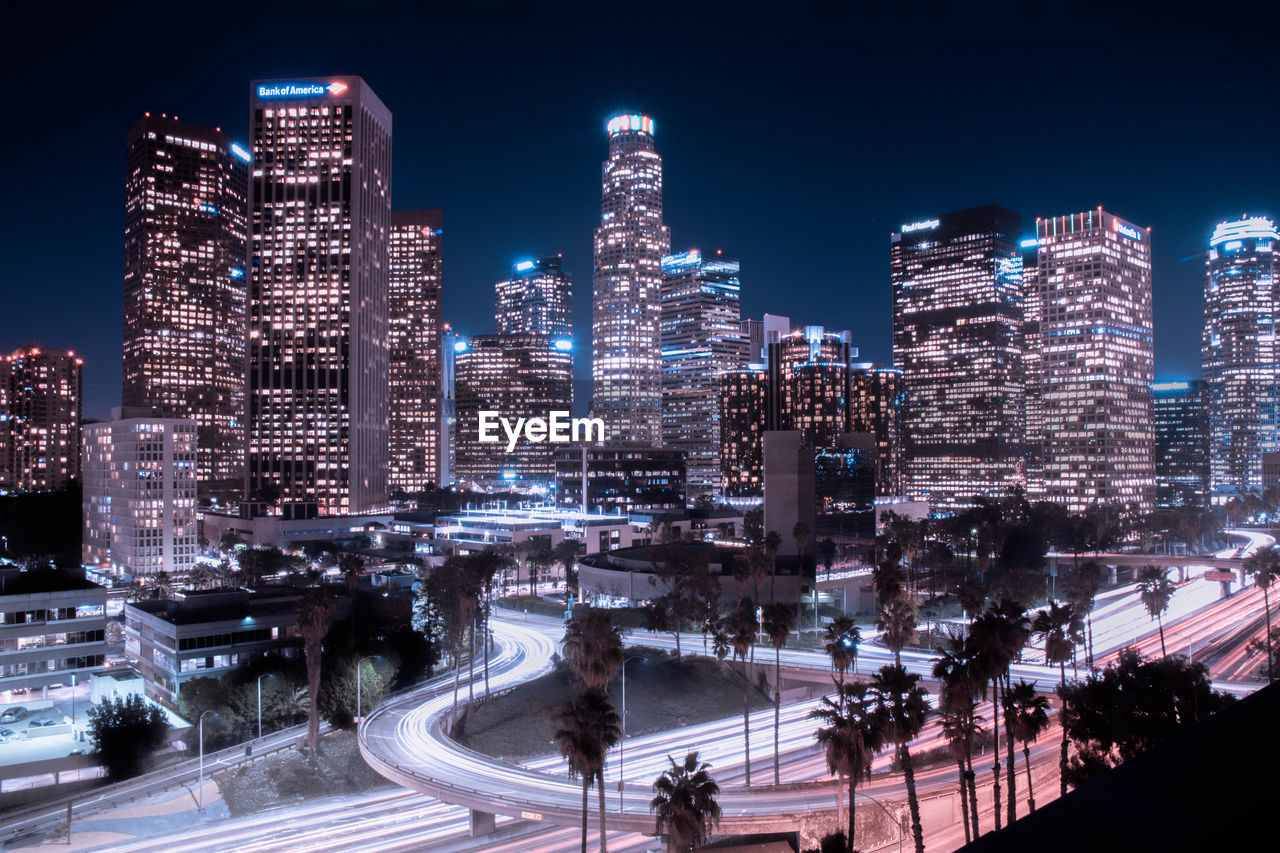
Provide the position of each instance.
(622, 741)
(359, 681)
(200, 786)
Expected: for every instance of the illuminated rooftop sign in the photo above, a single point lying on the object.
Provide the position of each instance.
(634, 123)
(1127, 230)
(563, 345)
(524, 266)
(922, 225)
(1170, 386)
(1249, 228)
(1029, 243)
(241, 153)
(300, 90)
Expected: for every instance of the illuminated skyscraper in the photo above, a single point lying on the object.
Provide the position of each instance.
(1239, 351)
(809, 384)
(1095, 358)
(875, 407)
(957, 338)
(1182, 444)
(630, 243)
(318, 314)
(515, 376)
(701, 341)
(185, 256)
(40, 419)
(413, 429)
(537, 300)
(744, 418)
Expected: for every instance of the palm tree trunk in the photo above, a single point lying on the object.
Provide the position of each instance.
(1160, 623)
(913, 801)
(852, 787)
(457, 669)
(586, 780)
(604, 841)
(995, 751)
(777, 710)
(1062, 756)
(486, 651)
(964, 800)
(1011, 768)
(471, 666)
(972, 778)
(746, 722)
(1266, 608)
(1026, 761)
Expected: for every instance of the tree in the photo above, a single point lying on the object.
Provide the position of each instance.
(593, 648)
(772, 545)
(684, 573)
(315, 616)
(1264, 565)
(351, 566)
(741, 626)
(125, 732)
(999, 636)
(903, 707)
(841, 645)
(827, 549)
(1028, 714)
(589, 728)
(852, 734)
(963, 682)
(1060, 629)
(342, 696)
(1081, 590)
(758, 561)
(566, 551)
(972, 596)
(897, 624)
(778, 623)
(802, 534)
(684, 802)
(1155, 590)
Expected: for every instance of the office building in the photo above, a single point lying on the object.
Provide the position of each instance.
(626, 304)
(52, 627)
(957, 338)
(875, 408)
(512, 376)
(1095, 358)
(760, 333)
(536, 300)
(845, 485)
(40, 405)
(450, 347)
(790, 485)
(619, 479)
(320, 201)
(809, 384)
(1182, 444)
(701, 341)
(185, 287)
(744, 417)
(140, 494)
(1238, 355)
(415, 340)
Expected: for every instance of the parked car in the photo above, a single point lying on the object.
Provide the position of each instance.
(20, 691)
(7, 735)
(12, 715)
(41, 723)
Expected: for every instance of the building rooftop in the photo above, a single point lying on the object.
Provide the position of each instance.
(16, 581)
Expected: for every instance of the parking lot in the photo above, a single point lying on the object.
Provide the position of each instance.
(36, 744)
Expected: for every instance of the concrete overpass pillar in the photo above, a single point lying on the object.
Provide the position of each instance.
(482, 823)
(1112, 575)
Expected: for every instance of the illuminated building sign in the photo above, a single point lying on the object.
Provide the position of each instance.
(236, 272)
(1029, 243)
(524, 266)
(241, 153)
(922, 225)
(1249, 228)
(563, 345)
(1170, 386)
(1127, 230)
(638, 123)
(300, 90)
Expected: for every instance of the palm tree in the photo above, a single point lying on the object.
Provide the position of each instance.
(1264, 565)
(1028, 713)
(897, 624)
(1061, 632)
(741, 626)
(777, 624)
(998, 636)
(1155, 590)
(1081, 590)
(685, 804)
(852, 734)
(801, 533)
(351, 566)
(962, 684)
(589, 728)
(315, 615)
(960, 726)
(772, 545)
(593, 648)
(972, 596)
(902, 702)
(841, 645)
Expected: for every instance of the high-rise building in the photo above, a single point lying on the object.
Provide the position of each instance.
(1182, 444)
(809, 384)
(619, 478)
(1239, 353)
(701, 341)
(630, 243)
(744, 418)
(451, 345)
(140, 494)
(40, 419)
(957, 338)
(760, 333)
(320, 199)
(414, 370)
(185, 293)
(1095, 356)
(1031, 357)
(875, 408)
(536, 300)
(514, 376)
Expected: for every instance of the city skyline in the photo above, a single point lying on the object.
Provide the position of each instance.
(707, 204)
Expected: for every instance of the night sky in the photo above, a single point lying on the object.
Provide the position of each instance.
(796, 141)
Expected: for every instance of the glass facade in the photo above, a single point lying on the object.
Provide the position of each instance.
(537, 300)
(1182, 444)
(40, 401)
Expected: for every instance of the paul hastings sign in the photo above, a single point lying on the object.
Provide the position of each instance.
(556, 428)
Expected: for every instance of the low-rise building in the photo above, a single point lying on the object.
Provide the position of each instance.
(52, 626)
(287, 533)
(619, 478)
